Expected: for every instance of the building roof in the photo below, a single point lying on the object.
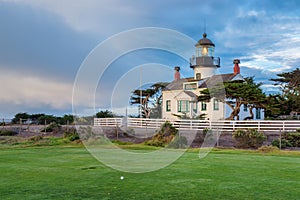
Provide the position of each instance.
(178, 84)
(204, 83)
(216, 79)
(204, 41)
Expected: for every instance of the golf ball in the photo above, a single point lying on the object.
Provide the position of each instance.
(122, 177)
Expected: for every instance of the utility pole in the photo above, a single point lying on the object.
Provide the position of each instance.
(141, 92)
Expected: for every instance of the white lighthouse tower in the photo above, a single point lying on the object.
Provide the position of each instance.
(204, 63)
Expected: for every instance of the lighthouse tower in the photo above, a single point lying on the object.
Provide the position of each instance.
(204, 63)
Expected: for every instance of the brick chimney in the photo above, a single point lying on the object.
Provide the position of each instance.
(177, 73)
(236, 68)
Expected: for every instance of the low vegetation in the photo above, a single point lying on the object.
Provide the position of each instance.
(167, 136)
(249, 138)
(291, 139)
(7, 133)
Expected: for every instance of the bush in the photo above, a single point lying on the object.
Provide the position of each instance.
(53, 127)
(72, 134)
(288, 140)
(284, 143)
(293, 138)
(7, 133)
(249, 138)
(165, 135)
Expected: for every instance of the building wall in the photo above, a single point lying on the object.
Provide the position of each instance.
(211, 114)
(175, 95)
(205, 71)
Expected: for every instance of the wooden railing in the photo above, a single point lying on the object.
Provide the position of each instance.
(224, 125)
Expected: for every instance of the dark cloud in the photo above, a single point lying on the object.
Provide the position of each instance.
(38, 42)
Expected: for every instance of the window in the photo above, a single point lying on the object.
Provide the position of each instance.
(194, 106)
(183, 106)
(203, 106)
(190, 86)
(258, 116)
(198, 76)
(216, 104)
(168, 105)
(245, 108)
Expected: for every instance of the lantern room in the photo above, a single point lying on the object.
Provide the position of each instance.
(205, 47)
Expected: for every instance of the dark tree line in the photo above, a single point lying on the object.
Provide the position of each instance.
(42, 118)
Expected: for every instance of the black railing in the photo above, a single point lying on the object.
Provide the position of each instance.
(205, 61)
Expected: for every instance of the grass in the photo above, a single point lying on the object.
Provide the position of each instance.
(70, 172)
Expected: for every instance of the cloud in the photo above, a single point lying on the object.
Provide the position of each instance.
(37, 93)
(104, 17)
(34, 91)
(263, 41)
(39, 42)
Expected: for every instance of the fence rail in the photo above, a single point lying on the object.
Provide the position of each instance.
(261, 125)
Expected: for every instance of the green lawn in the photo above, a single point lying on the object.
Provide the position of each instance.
(72, 173)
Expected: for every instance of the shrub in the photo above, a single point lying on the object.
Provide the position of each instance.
(7, 133)
(53, 127)
(293, 138)
(71, 134)
(249, 138)
(284, 143)
(288, 140)
(165, 135)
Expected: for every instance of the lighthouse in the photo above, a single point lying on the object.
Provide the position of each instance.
(204, 63)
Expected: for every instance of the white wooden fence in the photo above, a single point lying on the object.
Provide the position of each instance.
(225, 125)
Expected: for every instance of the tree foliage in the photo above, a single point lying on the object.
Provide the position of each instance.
(42, 118)
(149, 99)
(235, 94)
(20, 116)
(104, 114)
(289, 83)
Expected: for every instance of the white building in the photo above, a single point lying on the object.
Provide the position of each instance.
(181, 95)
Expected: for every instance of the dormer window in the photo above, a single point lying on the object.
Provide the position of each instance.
(190, 86)
(198, 76)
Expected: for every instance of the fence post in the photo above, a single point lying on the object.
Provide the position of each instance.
(45, 127)
(28, 124)
(117, 131)
(233, 125)
(20, 128)
(258, 125)
(218, 136)
(280, 139)
(283, 126)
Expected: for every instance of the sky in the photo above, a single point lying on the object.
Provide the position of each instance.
(45, 44)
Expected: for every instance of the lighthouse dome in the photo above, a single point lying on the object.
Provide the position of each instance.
(204, 41)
